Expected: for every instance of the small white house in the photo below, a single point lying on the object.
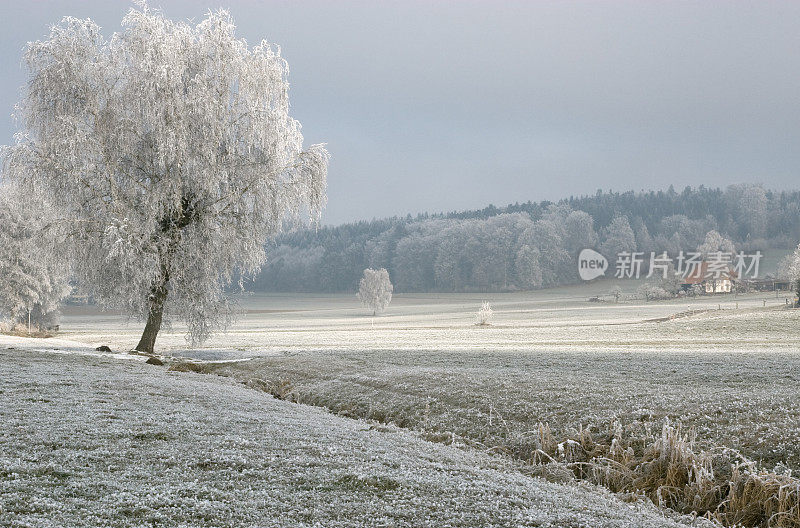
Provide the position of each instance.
(710, 281)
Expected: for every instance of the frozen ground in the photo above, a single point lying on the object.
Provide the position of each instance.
(726, 365)
(93, 441)
(549, 320)
(743, 400)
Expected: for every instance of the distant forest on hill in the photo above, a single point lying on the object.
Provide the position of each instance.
(528, 245)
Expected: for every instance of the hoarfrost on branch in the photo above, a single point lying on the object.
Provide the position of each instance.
(375, 290)
(171, 153)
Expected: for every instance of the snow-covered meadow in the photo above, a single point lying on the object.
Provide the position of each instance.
(158, 169)
(546, 320)
(717, 363)
(723, 367)
(93, 441)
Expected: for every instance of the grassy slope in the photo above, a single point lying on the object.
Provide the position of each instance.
(95, 441)
(745, 400)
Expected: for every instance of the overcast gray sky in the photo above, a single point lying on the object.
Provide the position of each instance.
(439, 106)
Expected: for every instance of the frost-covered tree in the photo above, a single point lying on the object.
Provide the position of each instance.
(679, 233)
(576, 228)
(644, 242)
(747, 204)
(579, 232)
(555, 264)
(33, 277)
(619, 237)
(671, 281)
(714, 243)
(792, 269)
(493, 246)
(375, 290)
(171, 153)
(616, 292)
(529, 271)
(453, 266)
(653, 292)
(414, 259)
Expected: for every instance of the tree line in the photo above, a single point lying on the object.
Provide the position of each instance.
(529, 245)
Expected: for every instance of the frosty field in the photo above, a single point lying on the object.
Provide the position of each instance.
(618, 174)
(550, 356)
(93, 441)
(546, 320)
(725, 366)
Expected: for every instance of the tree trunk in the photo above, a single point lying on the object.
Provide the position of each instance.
(153, 325)
(797, 288)
(171, 226)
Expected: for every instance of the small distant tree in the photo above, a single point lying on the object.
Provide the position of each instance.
(375, 290)
(792, 269)
(671, 281)
(172, 157)
(616, 291)
(33, 279)
(485, 315)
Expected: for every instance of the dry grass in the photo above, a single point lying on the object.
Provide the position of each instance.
(281, 389)
(644, 456)
(671, 472)
(762, 500)
(22, 330)
(190, 366)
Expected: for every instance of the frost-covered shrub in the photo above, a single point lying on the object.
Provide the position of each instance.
(616, 292)
(653, 292)
(485, 314)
